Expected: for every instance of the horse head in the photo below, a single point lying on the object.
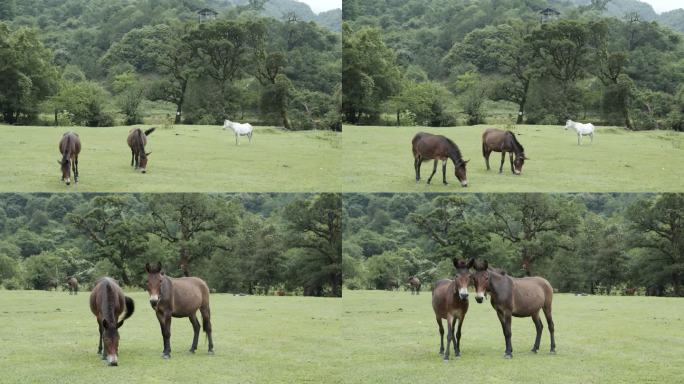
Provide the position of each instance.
(480, 278)
(461, 278)
(460, 172)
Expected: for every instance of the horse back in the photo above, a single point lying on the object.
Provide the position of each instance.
(189, 294)
(494, 138)
(105, 295)
(429, 146)
(530, 294)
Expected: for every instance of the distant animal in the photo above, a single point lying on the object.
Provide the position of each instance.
(69, 147)
(450, 302)
(582, 129)
(427, 146)
(414, 285)
(630, 291)
(137, 139)
(72, 285)
(178, 297)
(245, 129)
(108, 302)
(655, 290)
(519, 297)
(497, 140)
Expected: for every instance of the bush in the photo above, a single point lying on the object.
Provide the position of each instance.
(43, 271)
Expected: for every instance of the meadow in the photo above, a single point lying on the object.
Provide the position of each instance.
(182, 159)
(379, 159)
(393, 337)
(51, 337)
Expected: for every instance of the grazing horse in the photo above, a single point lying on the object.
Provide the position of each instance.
(450, 302)
(137, 139)
(107, 302)
(69, 147)
(497, 140)
(414, 285)
(427, 146)
(239, 130)
(72, 285)
(582, 129)
(178, 297)
(519, 297)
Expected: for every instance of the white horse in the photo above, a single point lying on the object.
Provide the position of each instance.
(239, 129)
(582, 129)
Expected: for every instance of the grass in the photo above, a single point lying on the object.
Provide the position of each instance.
(379, 159)
(392, 337)
(183, 159)
(51, 337)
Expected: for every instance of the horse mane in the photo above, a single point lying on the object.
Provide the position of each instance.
(67, 148)
(139, 143)
(454, 152)
(516, 144)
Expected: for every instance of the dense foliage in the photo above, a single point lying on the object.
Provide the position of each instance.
(441, 62)
(255, 243)
(598, 243)
(201, 72)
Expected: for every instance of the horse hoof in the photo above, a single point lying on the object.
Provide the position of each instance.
(192, 351)
(534, 351)
(507, 356)
(210, 352)
(446, 361)
(553, 352)
(165, 356)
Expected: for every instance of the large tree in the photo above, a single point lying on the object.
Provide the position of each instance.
(658, 224)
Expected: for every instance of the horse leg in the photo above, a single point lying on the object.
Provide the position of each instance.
(450, 335)
(506, 332)
(434, 169)
(206, 324)
(444, 164)
(165, 325)
(237, 141)
(75, 166)
(549, 323)
(100, 329)
(486, 153)
(503, 159)
(539, 326)
(132, 157)
(579, 138)
(507, 335)
(416, 164)
(441, 335)
(591, 135)
(195, 329)
(510, 159)
(457, 337)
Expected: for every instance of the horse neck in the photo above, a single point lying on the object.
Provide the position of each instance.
(454, 155)
(497, 284)
(517, 148)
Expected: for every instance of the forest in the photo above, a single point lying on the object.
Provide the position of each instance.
(582, 243)
(446, 63)
(121, 62)
(240, 243)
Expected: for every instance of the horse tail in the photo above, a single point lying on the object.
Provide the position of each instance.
(149, 131)
(130, 308)
(484, 149)
(206, 319)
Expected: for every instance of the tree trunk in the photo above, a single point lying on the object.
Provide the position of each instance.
(521, 104)
(398, 121)
(56, 122)
(285, 119)
(179, 104)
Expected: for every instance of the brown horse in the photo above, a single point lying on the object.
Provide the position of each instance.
(519, 297)
(450, 302)
(178, 297)
(69, 147)
(137, 139)
(72, 285)
(107, 302)
(414, 285)
(503, 141)
(427, 146)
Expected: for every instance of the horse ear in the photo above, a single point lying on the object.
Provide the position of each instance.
(147, 267)
(455, 263)
(466, 162)
(471, 262)
(485, 264)
(148, 153)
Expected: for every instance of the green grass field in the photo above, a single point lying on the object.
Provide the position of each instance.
(379, 159)
(393, 338)
(51, 337)
(183, 159)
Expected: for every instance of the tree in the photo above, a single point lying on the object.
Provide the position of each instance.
(369, 73)
(315, 228)
(536, 224)
(194, 223)
(27, 75)
(505, 50)
(110, 223)
(658, 224)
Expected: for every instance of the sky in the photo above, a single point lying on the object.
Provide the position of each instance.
(661, 6)
(319, 6)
